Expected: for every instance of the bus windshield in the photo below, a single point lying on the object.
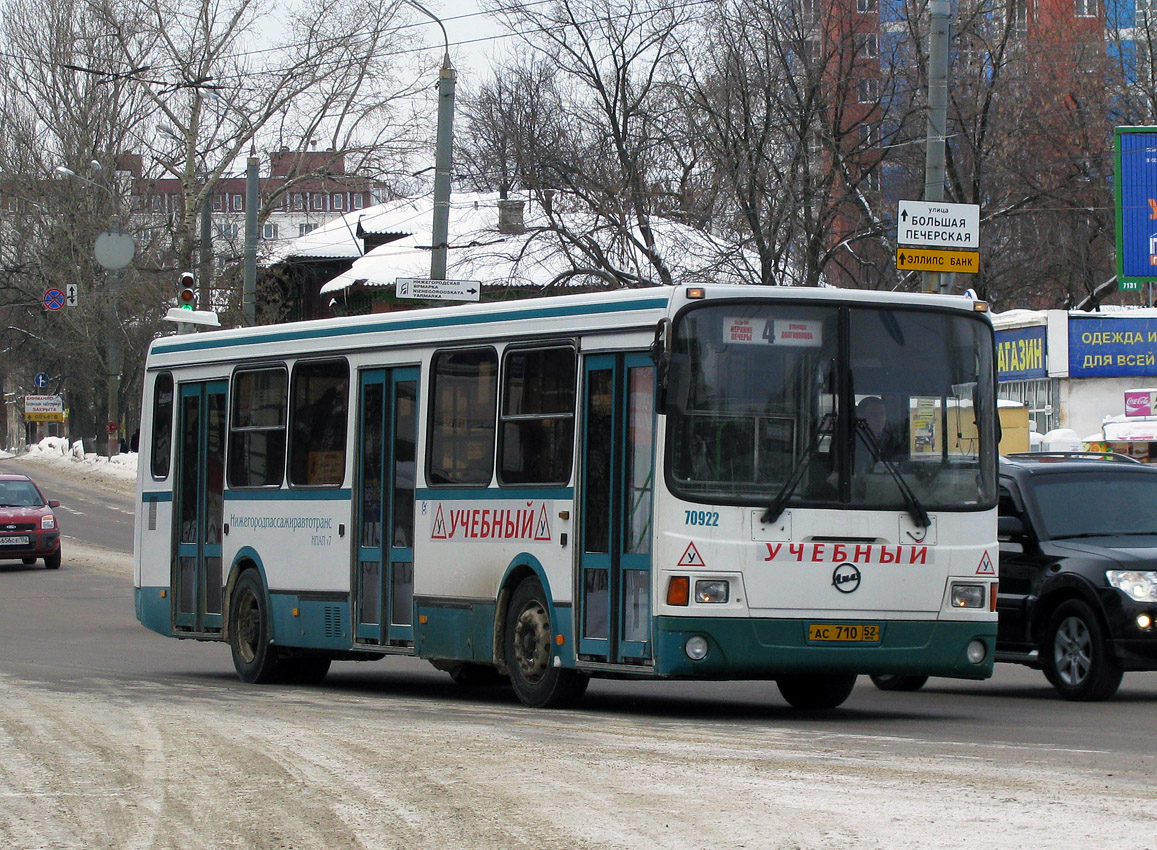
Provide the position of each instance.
(832, 406)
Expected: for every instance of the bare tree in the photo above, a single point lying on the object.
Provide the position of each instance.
(214, 95)
(611, 60)
(191, 87)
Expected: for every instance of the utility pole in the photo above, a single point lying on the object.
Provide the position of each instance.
(440, 232)
(205, 262)
(249, 275)
(937, 124)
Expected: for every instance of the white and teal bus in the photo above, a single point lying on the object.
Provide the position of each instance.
(715, 482)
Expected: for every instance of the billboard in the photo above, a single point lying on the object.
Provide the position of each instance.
(1135, 181)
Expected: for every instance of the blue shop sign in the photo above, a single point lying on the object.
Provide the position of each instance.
(1112, 348)
(1020, 354)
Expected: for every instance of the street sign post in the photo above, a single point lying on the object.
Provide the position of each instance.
(53, 299)
(439, 290)
(929, 260)
(938, 225)
(43, 408)
(935, 236)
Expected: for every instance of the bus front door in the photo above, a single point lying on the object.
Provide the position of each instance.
(200, 507)
(617, 474)
(385, 507)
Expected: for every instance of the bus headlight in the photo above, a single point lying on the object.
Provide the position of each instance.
(967, 595)
(977, 651)
(712, 590)
(1138, 585)
(696, 648)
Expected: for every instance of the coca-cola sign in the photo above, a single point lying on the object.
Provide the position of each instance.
(1140, 402)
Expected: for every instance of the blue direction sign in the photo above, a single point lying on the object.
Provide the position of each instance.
(53, 298)
(1136, 203)
(41, 379)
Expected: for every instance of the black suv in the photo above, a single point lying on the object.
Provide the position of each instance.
(1078, 571)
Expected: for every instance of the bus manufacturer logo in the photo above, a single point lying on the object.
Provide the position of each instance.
(846, 578)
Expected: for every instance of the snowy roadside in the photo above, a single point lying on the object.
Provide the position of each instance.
(118, 473)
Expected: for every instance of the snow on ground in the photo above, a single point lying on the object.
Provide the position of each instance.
(58, 452)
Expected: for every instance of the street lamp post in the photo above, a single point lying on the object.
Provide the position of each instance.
(442, 155)
(114, 250)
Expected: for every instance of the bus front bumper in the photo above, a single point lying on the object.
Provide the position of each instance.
(763, 649)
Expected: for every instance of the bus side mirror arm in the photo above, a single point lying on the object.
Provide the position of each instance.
(661, 356)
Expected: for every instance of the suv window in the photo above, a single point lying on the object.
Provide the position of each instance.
(1094, 505)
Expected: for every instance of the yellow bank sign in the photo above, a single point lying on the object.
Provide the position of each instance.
(932, 260)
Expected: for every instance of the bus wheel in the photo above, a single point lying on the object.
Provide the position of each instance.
(816, 692)
(255, 660)
(529, 644)
(898, 682)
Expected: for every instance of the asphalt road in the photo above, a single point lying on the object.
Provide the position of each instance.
(91, 510)
(112, 736)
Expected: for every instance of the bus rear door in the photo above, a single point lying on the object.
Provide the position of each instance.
(200, 507)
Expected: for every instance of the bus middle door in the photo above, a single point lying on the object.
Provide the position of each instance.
(385, 506)
(617, 479)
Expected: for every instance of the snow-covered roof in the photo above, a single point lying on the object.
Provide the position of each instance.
(479, 251)
(337, 239)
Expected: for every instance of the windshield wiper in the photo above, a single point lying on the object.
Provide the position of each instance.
(919, 515)
(826, 424)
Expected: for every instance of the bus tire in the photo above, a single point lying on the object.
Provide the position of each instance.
(898, 682)
(1075, 657)
(254, 657)
(529, 646)
(814, 692)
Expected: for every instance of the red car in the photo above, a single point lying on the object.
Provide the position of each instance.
(28, 527)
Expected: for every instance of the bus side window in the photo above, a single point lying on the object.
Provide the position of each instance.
(257, 428)
(538, 400)
(464, 401)
(161, 451)
(319, 404)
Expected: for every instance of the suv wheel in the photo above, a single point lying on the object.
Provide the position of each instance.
(1074, 656)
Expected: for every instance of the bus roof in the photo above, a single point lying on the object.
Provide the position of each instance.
(560, 315)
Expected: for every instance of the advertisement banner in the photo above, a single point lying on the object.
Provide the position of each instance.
(1136, 203)
(1140, 402)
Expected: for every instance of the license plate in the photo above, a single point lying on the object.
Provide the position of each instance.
(14, 541)
(844, 632)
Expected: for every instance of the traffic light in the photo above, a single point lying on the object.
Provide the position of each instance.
(187, 292)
